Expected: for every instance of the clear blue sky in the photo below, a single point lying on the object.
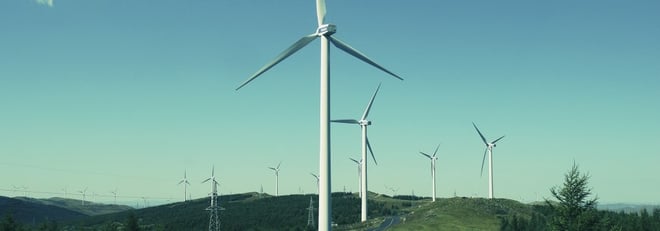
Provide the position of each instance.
(127, 94)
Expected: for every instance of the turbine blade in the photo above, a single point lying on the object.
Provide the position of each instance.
(346, 121)
(495, 141)
(315, 176)
(371, 151)
(286, 53)
(354, 160)
(278, 165)
(273, 168)
(320, 11)
(483, 161)
(352, 51)
(427, 155)
(482, 136)
(206, 180)
(366, 111)
(180, 182)
(436, 150)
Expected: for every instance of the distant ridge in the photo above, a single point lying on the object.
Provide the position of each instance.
(28, 211)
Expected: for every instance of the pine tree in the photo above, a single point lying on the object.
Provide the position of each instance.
(575, 211)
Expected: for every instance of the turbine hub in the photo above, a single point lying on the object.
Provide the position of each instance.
(326, 30)
(364, 122)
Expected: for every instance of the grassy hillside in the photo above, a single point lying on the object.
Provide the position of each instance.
(462, 214)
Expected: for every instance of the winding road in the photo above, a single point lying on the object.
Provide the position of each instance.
(393, 220)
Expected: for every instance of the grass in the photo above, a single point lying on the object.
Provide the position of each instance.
(460, 214)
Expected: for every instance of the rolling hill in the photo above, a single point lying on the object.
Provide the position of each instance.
(32, 210)
(253, 211)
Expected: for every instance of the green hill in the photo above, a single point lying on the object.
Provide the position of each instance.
(25, 211)
(252, 211)
(90, 208)
(249, 211)
(461, 213)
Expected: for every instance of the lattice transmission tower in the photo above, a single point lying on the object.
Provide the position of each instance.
(310, 217)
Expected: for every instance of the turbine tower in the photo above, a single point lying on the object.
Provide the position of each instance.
(277, 178)
(114, 193)
(489, 150)
(185, 183)
(433, 158)
(214, 220)
(325, 32)
(363, 122)
(317, 182)
(359, 169)
(66, 191)
(83, 193)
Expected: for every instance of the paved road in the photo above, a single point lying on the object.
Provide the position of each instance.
(390, 221)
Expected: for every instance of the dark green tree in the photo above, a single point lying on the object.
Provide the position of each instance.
(9, 224)
(574, 210)
(132, 223)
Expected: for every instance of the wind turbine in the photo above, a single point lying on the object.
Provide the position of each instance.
(359, 165)
(277, 178)
(185, 183)
(363, 122)
(489, 150)
(325, 32)
(214, 183)
(317, 182)
(83, 193)
(114, 193)
(433, 158)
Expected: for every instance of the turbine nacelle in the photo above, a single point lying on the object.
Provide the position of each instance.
(364, 122)
(326, 30)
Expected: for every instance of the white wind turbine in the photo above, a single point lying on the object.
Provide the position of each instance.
(84, 194)
(114, 193)
(359, 168)
(317, 182)
(325, 32)
(363, 122)
(433, 158)
(185, 183)
(277, 178)
(489, 150)
(214, 183)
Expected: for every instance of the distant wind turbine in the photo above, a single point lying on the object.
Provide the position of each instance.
(433, 158)
(317, 182)
(363, 122)
(489, 150)
(277, 178)
(359, 169)
(325, 32)
(214, 182)
(84, 194)
(114, 193)
(185, 183)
